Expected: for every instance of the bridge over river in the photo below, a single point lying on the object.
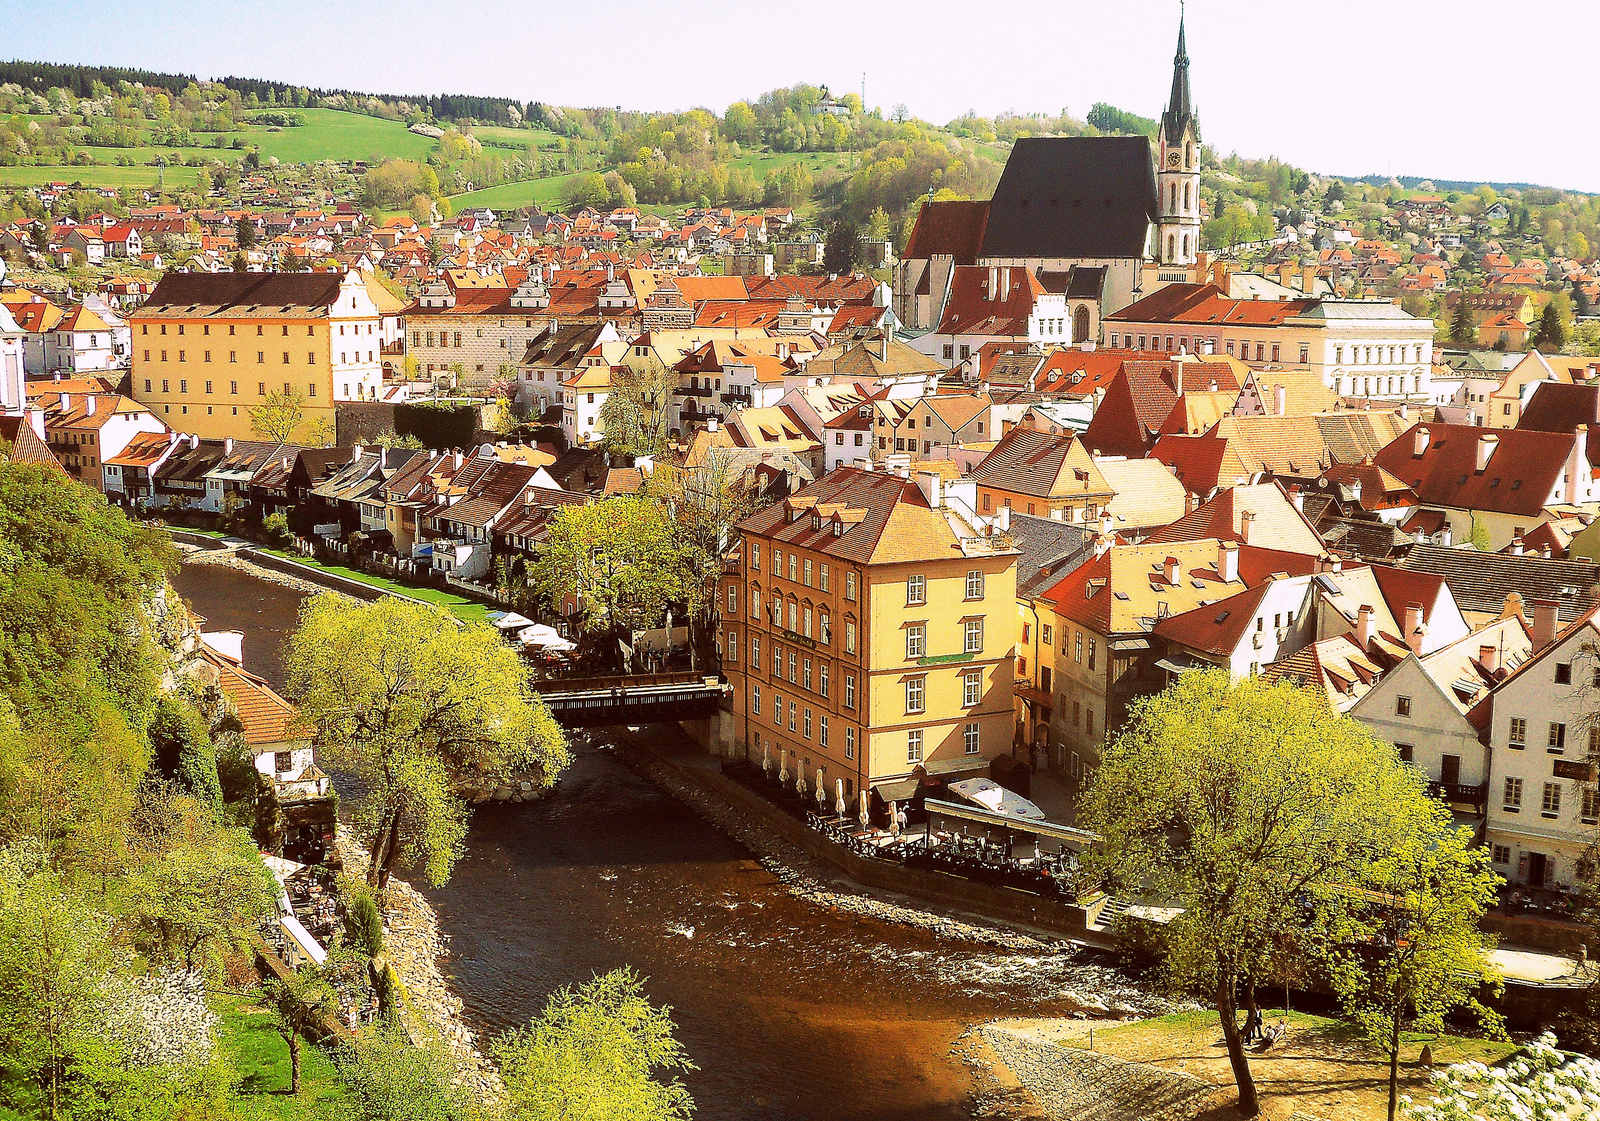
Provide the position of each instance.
(594, 702)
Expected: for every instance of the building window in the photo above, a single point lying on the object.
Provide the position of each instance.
(807, 726)
(974, 636)
(970, 739)
(1519, 732)
(733, 600)
(975, 584)
(849, 690)
(1407, 752)
(850, 586)
(755, 556)
(755, 700)
(805, 674)
(916, 700)
(849, 743)
(1046, 633)
(794, 609)
(1500, 854)
(1563, 673)
(916, 590)
(1077, 646)
(822, 678)
(792, 712)
(1557, 741)
(822, 731)
(1402, 706)
(1551, 805)
(825, 628)
(849, 637)
(1513, 795)
(755, 650)
(777, 709)
(733, 646)
(807, 572)
(792, 661)
(916, 642)
(914, 746)
(971, 689)
(823, 583)
(1591, 806)
(777, 563)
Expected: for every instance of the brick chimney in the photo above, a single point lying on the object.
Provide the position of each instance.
(1544, 623)
(1227, 562)
(1366, 626)
(1415, 633)
(1246, 520)
(1489, 657)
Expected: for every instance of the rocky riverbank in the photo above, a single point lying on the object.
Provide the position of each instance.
(413, 945)
(227, 558)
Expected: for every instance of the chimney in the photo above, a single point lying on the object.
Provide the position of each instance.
(1489, 657)
(1280, 400)
(1002, 519)
(1227, 562)
(930, 485)
(1516, 546)
(1544, 550)
(1005, 284)
(1308, 279)
(1177, 378)
(286, 463)
(884, 353)
(1486, 446)
(1414, 629)
(66, 402)
(1298, 497)
(1366, 626)
(711, 424)
(1544, 623)
(1285, 274)
(227, 445)
(1405, 410)
(1246, 520)
(1419, 442)
(1188, 501)
(1577, 464)
(88, 404)
(1171, 570)
(456, 458)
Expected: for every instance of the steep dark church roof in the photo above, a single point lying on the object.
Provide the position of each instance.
(1073, 196)
(1180, 106)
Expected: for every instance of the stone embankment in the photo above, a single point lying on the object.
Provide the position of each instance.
(413, 945)
(1071, 1083)
(227, 558)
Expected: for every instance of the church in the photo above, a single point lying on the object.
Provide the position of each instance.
(1098, 221)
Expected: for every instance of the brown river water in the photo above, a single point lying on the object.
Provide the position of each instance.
(789, 1010)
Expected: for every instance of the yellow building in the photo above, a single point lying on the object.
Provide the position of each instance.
(209, 347)
(868, 631)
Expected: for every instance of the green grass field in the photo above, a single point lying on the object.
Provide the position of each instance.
(261, 1057)
(544, 193)
(95, 176)
(530, 138)
(330, 134)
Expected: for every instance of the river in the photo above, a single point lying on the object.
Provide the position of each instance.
(788, 1009)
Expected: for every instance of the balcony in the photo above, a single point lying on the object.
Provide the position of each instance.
(1462, 793)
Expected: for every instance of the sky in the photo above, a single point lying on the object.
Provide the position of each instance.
(1345, 87)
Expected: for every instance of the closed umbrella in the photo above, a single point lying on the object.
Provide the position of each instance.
(783, 769)
(766, 760)
(838, 796)
(894, 820)
(822, 790)
(865, 816)
(800, 784)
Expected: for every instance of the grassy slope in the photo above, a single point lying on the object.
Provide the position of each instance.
(330, 134)
(259, 1054)
(468, 611)
(549, 191)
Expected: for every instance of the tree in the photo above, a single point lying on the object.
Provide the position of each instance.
(245, 234)
(1550, 335)
(1463, 326)
(619, 560)
(840, 253)
(1415, 953)
(181, 746)
(415, 705)
(587, 190)
(279, 419)
(593, 1054)
(634, 416)
(240, 262)
(301, 1004)
(390, 1079)
(363, 928)
(1252, 807)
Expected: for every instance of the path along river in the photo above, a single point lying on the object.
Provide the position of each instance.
(790, 1010)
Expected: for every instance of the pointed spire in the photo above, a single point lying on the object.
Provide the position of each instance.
(1180, 106)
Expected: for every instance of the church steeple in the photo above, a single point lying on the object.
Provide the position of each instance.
(1178, 172)
(1180, 106)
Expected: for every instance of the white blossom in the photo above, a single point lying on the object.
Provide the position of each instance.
(1542, 1083)
(161, 1020)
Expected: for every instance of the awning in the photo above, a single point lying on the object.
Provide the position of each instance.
(511, 621)
(1123, 644)
(897, 790)
(1030, 826)
(1174, 666)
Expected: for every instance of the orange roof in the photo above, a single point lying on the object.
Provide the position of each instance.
(267, 717)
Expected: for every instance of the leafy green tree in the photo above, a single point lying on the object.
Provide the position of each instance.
(740, 124)
(634, 416)
(1550, 335)
(1479, 537)
(619, 560)
(1415, 954)
(300, 1004)
(245, 234)
(594, 1054)
(240, 263)
(588, 190)
(280, 417)
(390, 1079)
(416, 705)
(363, 928)
(1253, 807)
(181, 746)
(1463, 327)
(840, 253)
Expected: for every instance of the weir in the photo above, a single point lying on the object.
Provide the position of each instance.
(594, 702)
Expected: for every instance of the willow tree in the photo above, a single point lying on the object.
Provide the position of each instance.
(417, 706)
(1252, 807)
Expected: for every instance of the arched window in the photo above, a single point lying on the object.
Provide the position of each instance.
(807, 631)
(1173, 195)
(1186, 198)
(1186, 247)
(777, 609)
(1172, 247)
(1188, 154)
(1080, 324)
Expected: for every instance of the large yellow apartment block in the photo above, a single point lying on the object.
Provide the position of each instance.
(868, 631)
(209, 347)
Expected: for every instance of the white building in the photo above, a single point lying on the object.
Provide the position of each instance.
(1544, 742)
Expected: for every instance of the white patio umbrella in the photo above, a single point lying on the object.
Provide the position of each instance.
(800, 784)
(783, 768)
(894, 820)
(766, 760)
(838, 796)
(864, 815)
(822, 790)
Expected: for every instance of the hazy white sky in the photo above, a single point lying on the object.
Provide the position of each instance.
(1453, 89)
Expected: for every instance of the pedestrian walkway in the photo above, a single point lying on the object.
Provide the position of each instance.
(1052, 794)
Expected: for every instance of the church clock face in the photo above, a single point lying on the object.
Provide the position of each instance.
(1173, 159)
